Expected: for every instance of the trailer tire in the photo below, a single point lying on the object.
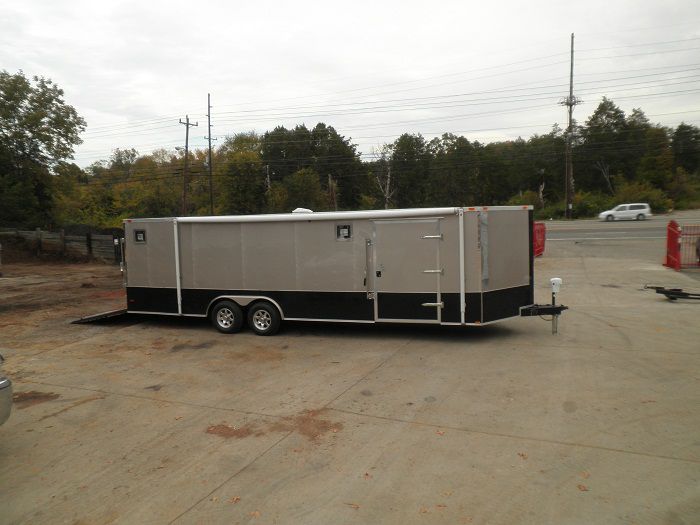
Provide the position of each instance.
(227, 317)
(264, 318)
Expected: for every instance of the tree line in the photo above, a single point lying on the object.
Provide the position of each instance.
(617, 157)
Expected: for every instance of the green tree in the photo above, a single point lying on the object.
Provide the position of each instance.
(600, 153)
(35, 122)
(240, 177)
(686, 147)
(656, 166)
(38, 131)
(410, 164)
(303, 190)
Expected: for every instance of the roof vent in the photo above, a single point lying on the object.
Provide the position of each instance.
(302, 210)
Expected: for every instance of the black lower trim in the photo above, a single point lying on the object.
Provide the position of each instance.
(406, 306)
(306, 305)
(450, 313)
(473, 313)
(344, 306)
(159, 300)
(501, 304)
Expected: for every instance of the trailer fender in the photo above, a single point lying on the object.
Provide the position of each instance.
(245, 300)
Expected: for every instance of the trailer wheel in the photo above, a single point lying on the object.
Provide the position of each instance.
(264, 319)
(227, 317)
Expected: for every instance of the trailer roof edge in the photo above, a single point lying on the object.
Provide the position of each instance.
(333, 215)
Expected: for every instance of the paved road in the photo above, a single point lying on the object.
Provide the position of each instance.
(168, 421)
(654, 228)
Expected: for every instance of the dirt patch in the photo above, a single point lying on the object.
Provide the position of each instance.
(158, 344)
(190, 346)
(308, 424)
(32, 397)
(226, 431)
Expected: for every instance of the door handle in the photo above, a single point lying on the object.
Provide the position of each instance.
(379, 273)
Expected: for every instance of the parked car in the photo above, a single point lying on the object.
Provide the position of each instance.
(5, 396)
(637, 211)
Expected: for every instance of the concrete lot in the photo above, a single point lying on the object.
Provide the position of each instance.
(163, 420)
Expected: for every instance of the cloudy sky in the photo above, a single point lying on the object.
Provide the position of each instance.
(373, 70)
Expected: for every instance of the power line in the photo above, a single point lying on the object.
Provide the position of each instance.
(640, 45)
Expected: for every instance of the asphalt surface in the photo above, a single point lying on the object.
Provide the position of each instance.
(165, 420)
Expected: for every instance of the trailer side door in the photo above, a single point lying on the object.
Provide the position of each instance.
(407, 270)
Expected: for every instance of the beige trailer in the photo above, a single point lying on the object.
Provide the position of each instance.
(449, 266)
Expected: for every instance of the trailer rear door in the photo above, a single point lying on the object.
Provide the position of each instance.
(407, 270)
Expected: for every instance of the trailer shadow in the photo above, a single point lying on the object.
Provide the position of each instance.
(397, 331)
(296, 329)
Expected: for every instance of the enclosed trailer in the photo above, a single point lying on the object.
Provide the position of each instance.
(448, 266)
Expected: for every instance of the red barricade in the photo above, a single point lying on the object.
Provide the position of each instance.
(539, 234)
(690, 246)
(682, 246)
(673, 246)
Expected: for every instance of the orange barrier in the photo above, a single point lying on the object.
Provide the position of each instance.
(539, 234)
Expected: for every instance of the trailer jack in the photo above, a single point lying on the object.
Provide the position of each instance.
(553, 309)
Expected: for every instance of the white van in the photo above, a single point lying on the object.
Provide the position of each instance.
(637, 211)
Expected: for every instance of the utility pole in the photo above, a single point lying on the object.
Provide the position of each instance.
(570, 102)
(267, 178)
(187, 153)
(211, 178)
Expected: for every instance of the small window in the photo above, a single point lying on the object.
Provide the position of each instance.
(637, 207)
(343, 232)
(140, 236)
